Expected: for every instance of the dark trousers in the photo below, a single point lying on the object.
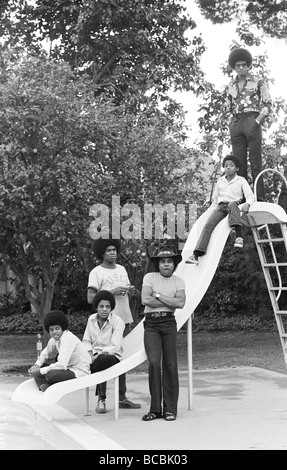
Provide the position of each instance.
(102, 362)
(246, 135)
(234, 219)
(122, 378)
(161, 348)
(54, 376)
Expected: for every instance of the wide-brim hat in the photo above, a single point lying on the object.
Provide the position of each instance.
(239, 54)
(233, 158)
(166, 253)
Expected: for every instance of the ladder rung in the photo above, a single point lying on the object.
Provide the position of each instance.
(270, 240)
(281, 312)
(277, 288)
(267, 265)
(284, 335)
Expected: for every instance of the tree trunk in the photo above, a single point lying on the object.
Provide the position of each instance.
(45, 307)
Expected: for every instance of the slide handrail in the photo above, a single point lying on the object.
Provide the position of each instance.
(265, 171)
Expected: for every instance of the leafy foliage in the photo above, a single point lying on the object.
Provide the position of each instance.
(270, 16)
(129, 47)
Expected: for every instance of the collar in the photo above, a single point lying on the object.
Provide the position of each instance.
(107, 320)
(249, 78)
(236, 177)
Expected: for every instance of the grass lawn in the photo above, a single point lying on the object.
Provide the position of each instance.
(210, 350)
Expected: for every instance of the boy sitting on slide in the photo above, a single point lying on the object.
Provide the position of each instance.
(230, 191)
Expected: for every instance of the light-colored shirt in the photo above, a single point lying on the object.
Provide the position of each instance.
(254, 96)
(106, 339)
(72, 355)
(234, 190)
(168, 286)
(101, 278)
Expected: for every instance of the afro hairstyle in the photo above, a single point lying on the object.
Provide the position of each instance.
(101, 244)
(239, 54)
(56, 317)
(104, 295)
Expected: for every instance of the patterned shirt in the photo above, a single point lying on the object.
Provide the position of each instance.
(254, 96)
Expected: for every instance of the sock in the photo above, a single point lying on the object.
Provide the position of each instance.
(238, 231)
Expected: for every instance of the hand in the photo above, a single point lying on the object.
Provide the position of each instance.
(245, 209)
(122, 290)
(34, 371)
(131, 290)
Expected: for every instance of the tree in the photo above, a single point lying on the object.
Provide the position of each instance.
(63, 150)
(269, 16)
(52, 135)
(130, 47)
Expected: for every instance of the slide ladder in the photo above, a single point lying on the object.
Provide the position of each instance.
(269, 248)
(270, 235)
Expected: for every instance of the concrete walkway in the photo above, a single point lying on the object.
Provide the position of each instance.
(233, 409)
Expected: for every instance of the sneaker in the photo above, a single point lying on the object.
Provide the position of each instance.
(128, 404)
(101, 407)
(192, 260)
(239, 242)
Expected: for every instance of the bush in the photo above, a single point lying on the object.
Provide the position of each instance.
(28, 322)
(10, 306)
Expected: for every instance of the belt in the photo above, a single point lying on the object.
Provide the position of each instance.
(226, 203)
(248, 113)
(166, 314)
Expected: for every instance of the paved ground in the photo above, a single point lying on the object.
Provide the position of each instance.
(232, 409)
(17, 431)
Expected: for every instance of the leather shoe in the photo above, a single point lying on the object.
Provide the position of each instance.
(128, 404)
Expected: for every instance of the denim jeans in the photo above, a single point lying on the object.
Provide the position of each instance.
(54, 376)
(234, 219)
(246, 135)
(160, 340)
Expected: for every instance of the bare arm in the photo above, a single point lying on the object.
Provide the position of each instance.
(148, 299)
(91, 294)
(173, 302)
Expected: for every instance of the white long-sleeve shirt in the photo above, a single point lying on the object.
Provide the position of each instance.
(234, 190)
(71, 353)
(106, 339)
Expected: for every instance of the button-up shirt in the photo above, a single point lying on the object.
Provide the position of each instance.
(254, 96)
(106, 339)
(234, 190)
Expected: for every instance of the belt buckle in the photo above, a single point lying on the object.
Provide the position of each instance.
(159, 314)
(155, 314)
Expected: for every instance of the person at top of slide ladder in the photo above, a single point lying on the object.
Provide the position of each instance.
(249, 102)
(229, 193)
